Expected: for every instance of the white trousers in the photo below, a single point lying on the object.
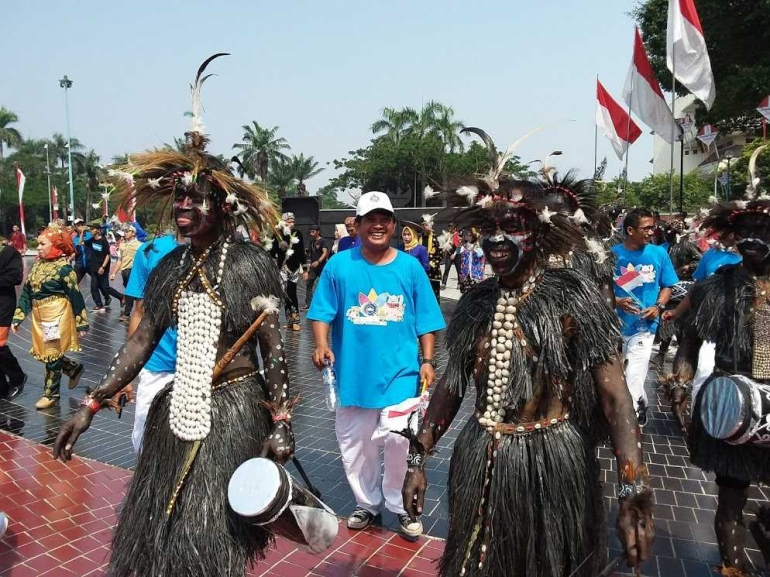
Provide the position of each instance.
(637, 350)
(355, 428)
(706, 363)
(147, 384)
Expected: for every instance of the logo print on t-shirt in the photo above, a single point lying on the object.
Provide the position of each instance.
(374, 309)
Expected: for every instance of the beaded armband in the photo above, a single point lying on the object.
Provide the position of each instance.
(416, 460)
(634, 482)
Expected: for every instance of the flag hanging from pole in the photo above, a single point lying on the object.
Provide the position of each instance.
(55, 202)
(615, 122)
(20, 180)
(686, 54)
(764, 107)
(643, 95)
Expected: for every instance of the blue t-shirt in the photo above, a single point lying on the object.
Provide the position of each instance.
(347, 242)
(376, 313)
(147, 258)
(712, 259)
(80, 250)
(641, 274)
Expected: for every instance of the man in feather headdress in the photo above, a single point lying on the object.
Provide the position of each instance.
(541, 349)
(219, 410)
(731, 309)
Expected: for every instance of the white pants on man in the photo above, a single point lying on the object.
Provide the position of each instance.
(360, 433)
(148, 384)
(706, 362)
(637, 350)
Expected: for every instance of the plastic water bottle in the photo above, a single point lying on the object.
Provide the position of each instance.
(330, 382)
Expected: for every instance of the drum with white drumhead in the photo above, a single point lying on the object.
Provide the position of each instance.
(736, 409)
(264, 493)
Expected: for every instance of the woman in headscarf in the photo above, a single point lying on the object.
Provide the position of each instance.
(411, 234)
(52, 297)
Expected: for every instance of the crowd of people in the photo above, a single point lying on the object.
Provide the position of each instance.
(554, 344)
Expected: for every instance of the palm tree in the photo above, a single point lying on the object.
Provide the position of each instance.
(282, 177)
(448, 129)
(395, 123)
(59, 150)
(8, 135)
(304, 168)
(260, 148)
(180, 145)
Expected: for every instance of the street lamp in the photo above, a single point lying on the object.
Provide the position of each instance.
(66, 83)
(48, 173)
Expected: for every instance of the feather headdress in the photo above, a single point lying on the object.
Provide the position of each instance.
(157, 175)
(721, 218)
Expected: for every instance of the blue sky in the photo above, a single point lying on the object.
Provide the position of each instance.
(321, 71)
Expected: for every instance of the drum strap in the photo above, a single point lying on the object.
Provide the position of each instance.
(730, 294)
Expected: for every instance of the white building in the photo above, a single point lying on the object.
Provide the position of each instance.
(697, 156)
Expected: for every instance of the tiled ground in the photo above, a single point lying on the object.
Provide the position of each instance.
(50, 504)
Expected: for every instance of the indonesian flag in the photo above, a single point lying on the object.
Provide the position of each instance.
(764, 107)
(615, 122)
(629, 279)
(643, 95)
(20, 180)
(686, 54)
(55, 202)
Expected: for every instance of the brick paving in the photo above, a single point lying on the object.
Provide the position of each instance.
(62, 516)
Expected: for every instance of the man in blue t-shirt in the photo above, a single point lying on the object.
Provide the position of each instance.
(378, 303)
(714, 258)
(79, 238)
(644, 274)
(159, 370)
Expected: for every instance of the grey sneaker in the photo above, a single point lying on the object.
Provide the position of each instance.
(360, 519)
(641, 414)
(410, 530)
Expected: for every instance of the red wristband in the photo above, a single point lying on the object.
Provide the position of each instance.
(282, 417)
(92, 404)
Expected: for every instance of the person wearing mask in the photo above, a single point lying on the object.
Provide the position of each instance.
(12, 378)
(352, 239)
(98, 259)
(128, 246)
(369, 298)
(320, 251)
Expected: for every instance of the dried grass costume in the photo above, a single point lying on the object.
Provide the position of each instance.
(175, 520)
(524, 492)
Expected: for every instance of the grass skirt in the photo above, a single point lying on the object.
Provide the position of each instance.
(203, 536)
(545, 505)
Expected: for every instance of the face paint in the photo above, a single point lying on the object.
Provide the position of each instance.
(752, 236)
(508, 242)
(192, 210)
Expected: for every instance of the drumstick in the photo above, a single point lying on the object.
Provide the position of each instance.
(610, 568)
(305, 478)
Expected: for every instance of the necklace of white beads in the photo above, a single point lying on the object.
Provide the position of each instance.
(505, 328)
(199, 319)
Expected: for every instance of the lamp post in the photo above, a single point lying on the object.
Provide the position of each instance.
(729, 158)
(48, 173)
(66, 83)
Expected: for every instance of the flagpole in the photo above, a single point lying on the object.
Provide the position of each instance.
(596, 144)
(673, 135)
(628, 135)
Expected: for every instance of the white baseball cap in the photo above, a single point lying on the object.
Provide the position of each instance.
(374, 200)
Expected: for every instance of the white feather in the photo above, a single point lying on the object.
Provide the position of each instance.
(239, 209)
(429, 193)
(445, 240)
(741, 204)
(428, 218)
(764, 196)
(579, 217)
(105, 195)
(267, 244)
(268, 304)
(231, 199)
(187, 178)
(508, 154)
(485, 201)
(596, 249)
(751, 189)
(294, 238)
(96, 205)
(204, 207)
(704, 212)
(545, 215)
(154, 182)
(469, 192)
(713, 200)
(289, 252)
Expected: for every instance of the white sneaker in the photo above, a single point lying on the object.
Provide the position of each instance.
(410, 530)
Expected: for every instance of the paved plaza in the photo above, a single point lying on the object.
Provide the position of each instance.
(61, 516)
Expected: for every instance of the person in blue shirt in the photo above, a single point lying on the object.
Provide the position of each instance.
(159, 370)
(644, 274)
(80, 261)
(378, 304)
(714, 258)
(352, 240)
(412, 245)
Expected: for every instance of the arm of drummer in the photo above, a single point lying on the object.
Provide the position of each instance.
(279, 444)
(685, 365)
(634, 525)
(124, 368)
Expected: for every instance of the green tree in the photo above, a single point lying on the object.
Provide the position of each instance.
(737, 34)
(93, 172)
(281, 178)
(739, 169)
(395, 124)
(259, 148)
(9, 136)
(304, 168)
(58, 146)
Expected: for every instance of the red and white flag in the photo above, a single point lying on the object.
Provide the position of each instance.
(764, 107)
(707, 134)
(20, 180)
(643, 95)
(615, 122)
(686, 54)
(55, 202)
